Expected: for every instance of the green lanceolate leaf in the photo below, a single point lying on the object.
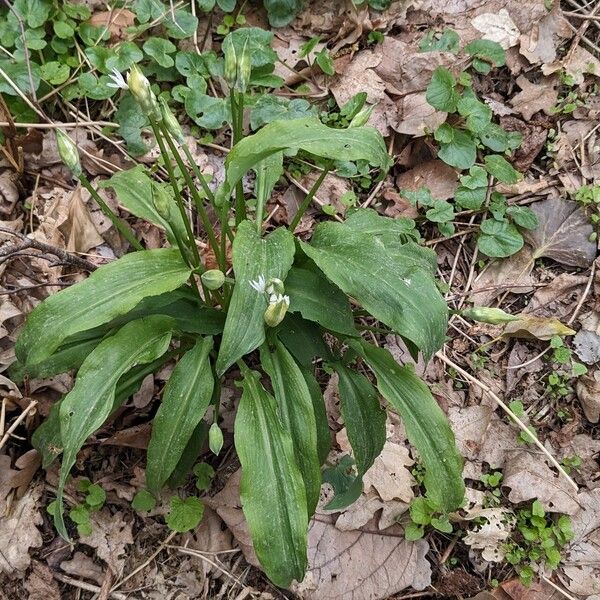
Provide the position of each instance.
(304, 339)
(186, 397)
(297, 416)
(363, 417)
(317, 299)
(426, 425)
(391, 232)
(112, 290)
(253, 257)
(85, 408)
(271, 490)
(320, 411)
(396, 285)
(307, 134)
(137, 193)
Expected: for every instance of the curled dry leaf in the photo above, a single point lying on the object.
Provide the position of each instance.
(116, 21)
(111, 534)
(417, 115)
(588, 392)
(535, 97)
(490, 537)
(441, 179)
(563, 233)
(538, 328)
(41, 584)
(540, 42)
(581, 567)
(498, 27)
(18, 532)
(356, 565)
(529, 477)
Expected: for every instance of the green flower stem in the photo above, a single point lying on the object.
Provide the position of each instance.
(237, 116)
(198, 201)
(191, 241)
(306, 202)
(123, 229)
(198, 174)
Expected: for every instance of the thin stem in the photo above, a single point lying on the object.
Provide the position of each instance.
(308, 199)
(237, 115)
(196, 198)
(191, 242)
(198, 174)
(261, 198)
(122, 228)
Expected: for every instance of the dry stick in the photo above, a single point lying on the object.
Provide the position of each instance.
(162, 546)
(17, 422)
(586, 291)
(88, 587)
(60, 125)
(200, 555)
(558, 589)
(509, 412)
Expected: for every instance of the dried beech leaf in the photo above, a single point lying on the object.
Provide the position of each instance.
(588, 392)
(529, 477)
(356, 565)
(539, 328)
(562, 234)
(18, 532)
(491, 535)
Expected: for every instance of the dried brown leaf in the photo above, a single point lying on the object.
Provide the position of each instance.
(539, 328)
(41, 584)
(360, 565)
(436, 175)
(498, 27)
(535, 97)
(563, 233)
(81, 565)
(529, 477)
(116, 21)
(417, 115)
(588, 392)
(111, 534)
(490, 536)
(18, 532)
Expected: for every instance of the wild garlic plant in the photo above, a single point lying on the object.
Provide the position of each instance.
(264, 321)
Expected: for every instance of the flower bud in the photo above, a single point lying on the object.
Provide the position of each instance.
(139, 86)
(215, 439)
(278, 306)
(493, 316)
(362, 117)
(171, 123)
(213, 279)
(274, 286)
(68, 153)
(244, 70)
(230, 66)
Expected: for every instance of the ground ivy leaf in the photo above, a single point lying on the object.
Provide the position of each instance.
(131, 120)
(184, 515)
(54, 72)
(125, 55)
(497, 166)
(470, 199)
(523, 216)
(487, 51)
(143, 501)
(191, 63)
(183, 26)
(160, 49)
(441, 91)
(499, 239)
(257, 42)
(207, 111)
(282, 12)
(440, 212)
(448, 41)
(269, 108)
(461, 152)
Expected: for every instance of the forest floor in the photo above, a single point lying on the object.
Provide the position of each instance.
(542, 369)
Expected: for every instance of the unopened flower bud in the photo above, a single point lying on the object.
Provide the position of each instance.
(230, 66)
(68, 153)
(170, 121)
(244, 70)
(274, 286)
(140, 88)
(213, 279)
(362, 117)
(493, 316)
(278, 307)
(215, 439)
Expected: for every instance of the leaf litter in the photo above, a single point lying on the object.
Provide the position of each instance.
(361, 552)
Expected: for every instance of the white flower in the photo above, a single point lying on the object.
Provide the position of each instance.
(117, 80)
(259, 285)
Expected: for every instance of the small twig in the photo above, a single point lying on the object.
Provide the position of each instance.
(558, 589)
(588, 287)
(17, 422)
(88, 587)
(162, 546)
(510, 413)
(530, 361)
(60, 125)
(63, 255)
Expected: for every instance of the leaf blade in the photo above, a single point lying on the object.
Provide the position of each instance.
(186, 398)
(107, 293)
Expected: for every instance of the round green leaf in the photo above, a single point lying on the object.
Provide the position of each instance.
(54, 72)
(461, 152)
(160, 49)
(523, 216)
(499, 239)
(184, 514)
(441, 91)
(143, 501)
(501, 169)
